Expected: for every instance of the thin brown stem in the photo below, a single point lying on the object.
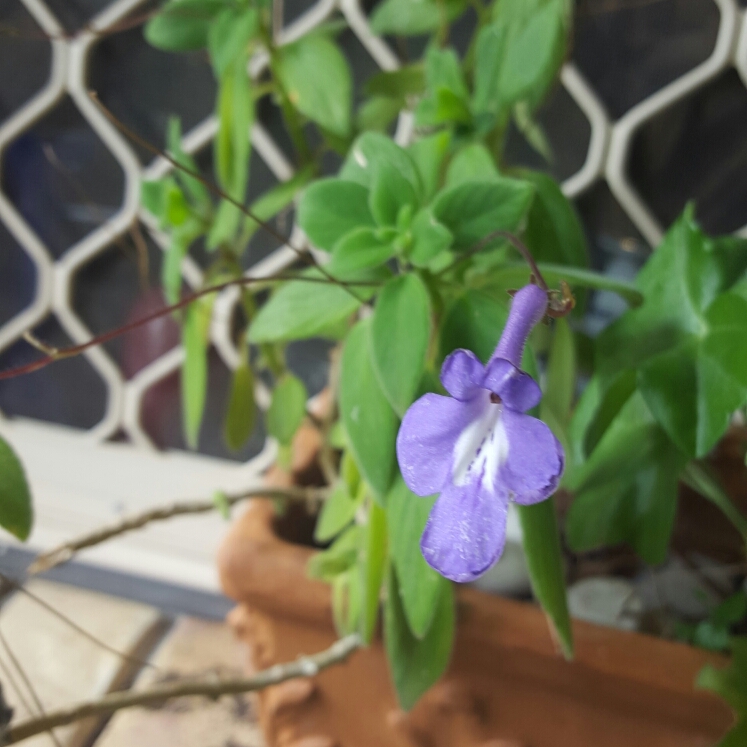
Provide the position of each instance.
(306, 666)
(72, 624)
(66, 551)
(215, 189)
(69, 352)
(29, 686)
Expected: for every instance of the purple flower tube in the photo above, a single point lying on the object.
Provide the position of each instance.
(478, 449)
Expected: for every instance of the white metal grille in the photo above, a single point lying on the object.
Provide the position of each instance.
(128, 476)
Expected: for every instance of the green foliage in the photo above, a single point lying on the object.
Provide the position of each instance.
(373, 567)
(370, 423)
(731, 684)
(229, 36)
(317, 80)
(544, 556)
(400, 333)
(241, 410)
(714, 633)
(287, 408)
(183, 25)
(16, 511)
(420, 587)
(416, 663)
(195, 329)
(337, 513)
(414, 17)
(686, 340)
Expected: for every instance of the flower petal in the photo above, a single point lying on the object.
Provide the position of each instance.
(517, 389)
(426, 439)
(462, 374)
(535, 460)
(466, 531)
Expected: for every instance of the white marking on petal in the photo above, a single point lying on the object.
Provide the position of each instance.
(481, 449)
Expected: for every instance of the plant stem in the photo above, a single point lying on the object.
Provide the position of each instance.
(306, 666)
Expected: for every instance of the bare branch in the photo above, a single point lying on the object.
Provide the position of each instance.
(66, 551)
(306, 666)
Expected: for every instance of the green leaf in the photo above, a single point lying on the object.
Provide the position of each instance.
(390, 192)
(373, 567)
(428, 155)
(222, 505)
(429, 238)
(413, 17)
(731, 611)
(182, 25)
(701, 479)
(277, 198)
(407, 81)
(196, 190)
(232, 148)
(332, 208)
(369, 420)
(532, 130)
(242, 409)
(16, 511)
(445, 85)
(473, 210)
(377, 113)
(153, 197)
(544, 555)
(287, 408)
(420, 587)
(554, 232)
(301, 309)
(343, 555)
(686, 340)
(195, 367)
(317, 80)
(416, 664)
(171, 269)
(473, 162)
(627, 489)
(337, 512)
(372, 151)
(473, 321)
(730, 683)
(229, 36)
(561, 374)
(359, 250)
(400, 333)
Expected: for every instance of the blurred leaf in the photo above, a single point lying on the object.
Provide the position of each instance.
(222, 506)
(195, 367)
(182, 25)
(400, 333)
(241, 412)
(331, 209)
(561, 374)
(626, 491)
(16, 511)
(373, 567)
(473, 210)
(428, 155)
(171, 269)
(196, 190)
(686, 340)
(359, 250)
(377, 113)
(316, 77)
(390, 192)
(412, 17)
(416, 664)
(429, 238)
(287, 408)
(370, 422)
(546, 565)
(473, 162)
(730, 683)
(229, 36)
(337, 512)
(301, 309)
(532, 130)
(340, 557)
(407, 81)
(554, 232)
(420, 587)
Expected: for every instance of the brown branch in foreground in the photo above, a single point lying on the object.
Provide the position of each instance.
(54, 354)
(306, 666)
(63, 553)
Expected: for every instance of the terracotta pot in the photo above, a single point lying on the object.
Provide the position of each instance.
(506, 686)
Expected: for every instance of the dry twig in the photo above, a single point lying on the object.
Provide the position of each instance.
(306, 666)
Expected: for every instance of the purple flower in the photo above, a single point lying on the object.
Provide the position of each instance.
(479, 450)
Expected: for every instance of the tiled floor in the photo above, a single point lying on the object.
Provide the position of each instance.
(64, 666)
